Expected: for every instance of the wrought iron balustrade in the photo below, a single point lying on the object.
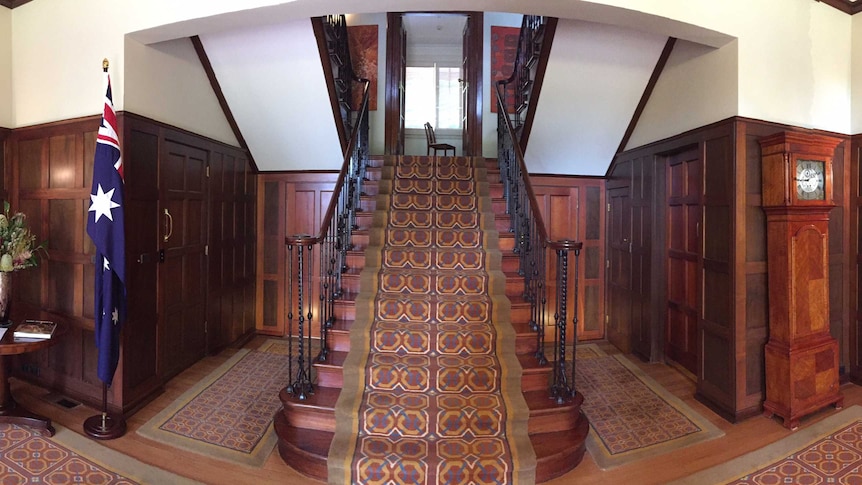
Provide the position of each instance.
(532, 243)
(311, 299)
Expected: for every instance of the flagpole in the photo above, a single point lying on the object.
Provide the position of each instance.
(107, 425)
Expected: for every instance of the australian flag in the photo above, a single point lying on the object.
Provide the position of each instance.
(106, 229)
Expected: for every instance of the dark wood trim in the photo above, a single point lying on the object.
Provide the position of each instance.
(656, 73)
(13, 3)
(568, 176)
(312, 174)
(392, 117)
(544, 56)
(854, 250)
(208, 68)
(474, 77)
(325, 63)
(845, 6)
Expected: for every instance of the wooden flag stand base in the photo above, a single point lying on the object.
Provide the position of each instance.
(105, 426)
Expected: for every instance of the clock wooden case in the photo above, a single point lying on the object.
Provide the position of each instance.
(801, 355)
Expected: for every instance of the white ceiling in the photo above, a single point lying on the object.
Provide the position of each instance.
(434, 28)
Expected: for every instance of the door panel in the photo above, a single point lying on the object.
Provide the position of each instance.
(182, 276)
(619, 268)
(683, 258)
(471, 90)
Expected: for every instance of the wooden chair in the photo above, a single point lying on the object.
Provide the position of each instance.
(432, 142)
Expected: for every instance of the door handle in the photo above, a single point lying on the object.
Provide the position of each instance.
(169, 225)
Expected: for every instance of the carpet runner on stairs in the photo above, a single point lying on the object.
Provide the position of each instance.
(435, 394)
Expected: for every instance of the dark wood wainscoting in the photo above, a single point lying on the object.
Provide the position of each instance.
(50, 171)
(288, 204)
(731, 277)
(294, 203)
(574, 208)
(854, 301)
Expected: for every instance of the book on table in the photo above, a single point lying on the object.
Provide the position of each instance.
(35, 329)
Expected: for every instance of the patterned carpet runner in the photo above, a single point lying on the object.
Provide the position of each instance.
(228, 415)
(632, 416)
(828, 451)
(27, 457)
(432, 400)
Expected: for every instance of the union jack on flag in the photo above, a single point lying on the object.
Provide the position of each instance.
(106, 228)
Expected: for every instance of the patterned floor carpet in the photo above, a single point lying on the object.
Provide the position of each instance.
(229, 414)
(432, 403)
(632, 417)
(825, 452)
(27, 457)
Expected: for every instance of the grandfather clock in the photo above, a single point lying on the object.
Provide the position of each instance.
(801, 355)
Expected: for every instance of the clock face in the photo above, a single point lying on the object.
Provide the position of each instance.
(810, 183)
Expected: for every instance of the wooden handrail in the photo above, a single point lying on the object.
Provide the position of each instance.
(345, 166)
(519, 157)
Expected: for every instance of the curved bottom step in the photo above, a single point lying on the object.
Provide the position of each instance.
(306, 450)
(561, 451)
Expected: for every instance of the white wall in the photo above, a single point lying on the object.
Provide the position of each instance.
(794, 55)
(166, 82)
(596, 75)
(489, 119)
(6, 118)
(856, 76)
(698, 86)
(257, 65)
(376, 118)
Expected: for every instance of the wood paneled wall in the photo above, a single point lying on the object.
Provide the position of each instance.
(50, 170)
(854, 302)
(288, 204)
(731, 278)
(574, 208)
(294, 203)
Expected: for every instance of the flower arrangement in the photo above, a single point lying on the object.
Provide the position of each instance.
(17, 244)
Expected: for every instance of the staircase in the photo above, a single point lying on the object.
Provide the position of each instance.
(306, 427)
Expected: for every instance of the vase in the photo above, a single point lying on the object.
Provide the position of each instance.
(5, 297)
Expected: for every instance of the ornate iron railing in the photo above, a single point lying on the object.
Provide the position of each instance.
(532, 246)
(518, 88)
(344, 78)
(312, 300)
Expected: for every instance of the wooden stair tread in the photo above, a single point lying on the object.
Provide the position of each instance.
(306, 450)
(334, 359)
(540, 402)
(560, 451)
(323, 399)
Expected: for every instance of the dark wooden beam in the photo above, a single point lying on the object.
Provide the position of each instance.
(326, 63)
(13, 3)
(845, 6)
(544, 56)
(656, 73)
(205, 62)
(475, 108)
(395, 64)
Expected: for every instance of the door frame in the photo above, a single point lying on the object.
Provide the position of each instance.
(395, 66)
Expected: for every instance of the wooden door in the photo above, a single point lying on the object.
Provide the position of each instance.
(182, 275)
(619, 268)
(396, 76)
(471, 85)
(465, 92)
(683, 257)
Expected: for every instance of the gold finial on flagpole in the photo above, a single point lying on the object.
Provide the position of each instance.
(105, 64)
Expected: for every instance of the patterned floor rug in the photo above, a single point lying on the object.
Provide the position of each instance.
(632, 417)
(228, 415)
(27, 457)
(432, 400)
(828, 451)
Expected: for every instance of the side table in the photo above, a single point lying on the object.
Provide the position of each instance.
(10, 410)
